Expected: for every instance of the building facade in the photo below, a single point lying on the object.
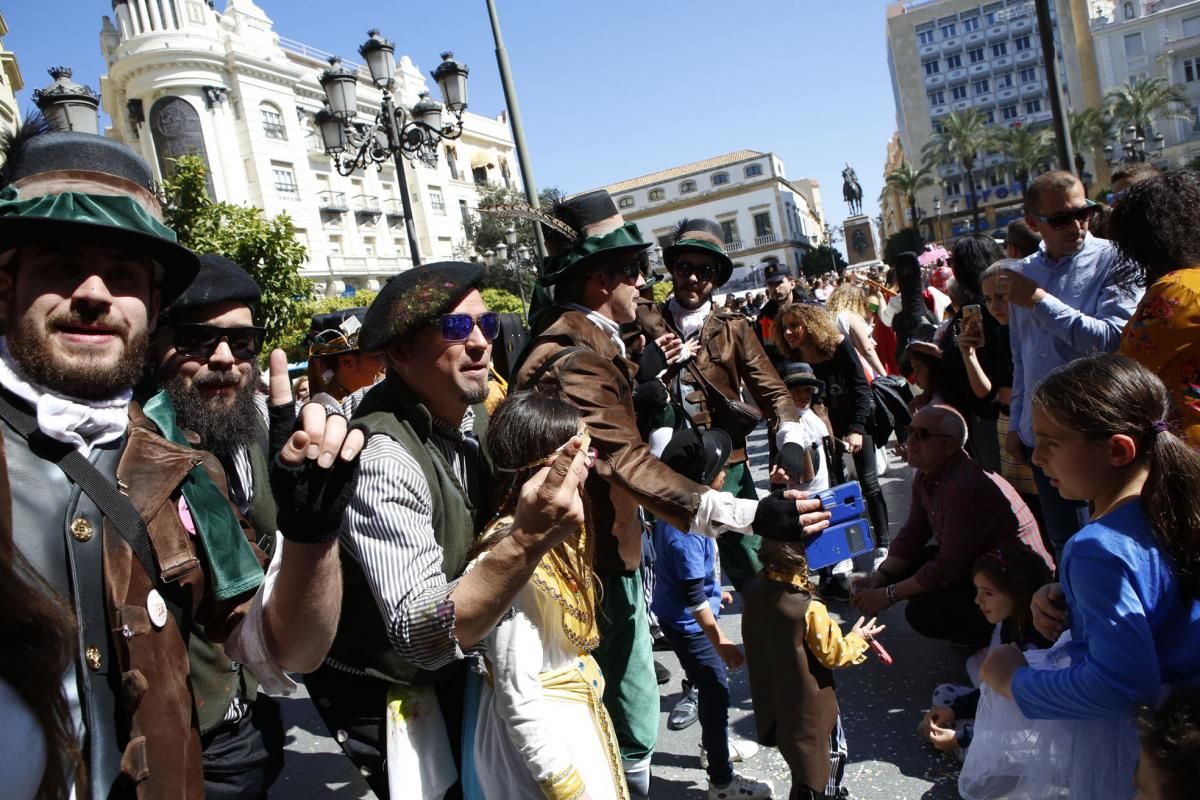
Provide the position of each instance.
(764, 216)
(951, 55)
(1142, 38)
(185, 78)
(893, 206)
(10, 83)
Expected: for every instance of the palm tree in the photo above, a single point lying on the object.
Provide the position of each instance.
(1141, 100)
(963, 135)
(1091, 129)
(908, 181)
(1028, 147)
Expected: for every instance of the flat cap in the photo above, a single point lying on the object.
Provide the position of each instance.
(218, 281)
(414, 298)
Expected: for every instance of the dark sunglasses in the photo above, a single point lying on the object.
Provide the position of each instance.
(924, 434)
(703, 272)
(200, 340)
(458, 327)
(1080, 215)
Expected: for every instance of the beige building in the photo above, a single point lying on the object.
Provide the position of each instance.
(950, 55)
(10, 84)
(893, 207)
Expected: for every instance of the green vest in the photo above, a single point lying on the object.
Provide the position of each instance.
(392, 409)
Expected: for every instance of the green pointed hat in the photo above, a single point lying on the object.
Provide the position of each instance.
(700, 235)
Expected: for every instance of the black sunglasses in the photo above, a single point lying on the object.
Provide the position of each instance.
(200, 340)
(1081, 215)
(924, 434)
(458, 327)
(703, 272)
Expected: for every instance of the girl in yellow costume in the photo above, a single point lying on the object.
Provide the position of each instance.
(542, 731)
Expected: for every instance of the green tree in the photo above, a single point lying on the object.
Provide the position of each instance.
(908, 181)
(1028, 147)
(265, 247)
(822, 259)
(1091, 130)
(291, 339)
(662, 290)
(1141, 100)
(903, 241)
(502, 301)
(963, 135)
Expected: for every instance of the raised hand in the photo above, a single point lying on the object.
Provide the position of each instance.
(549, 506)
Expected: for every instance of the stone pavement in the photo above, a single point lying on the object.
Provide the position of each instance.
(880, 710)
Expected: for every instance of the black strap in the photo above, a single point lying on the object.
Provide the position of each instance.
(541, 371)
(112, 504)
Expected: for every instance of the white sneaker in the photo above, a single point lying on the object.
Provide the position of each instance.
(741, 788)
(739, 750)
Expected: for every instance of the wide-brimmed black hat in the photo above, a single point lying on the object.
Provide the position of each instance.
(798, 373)
(415, 298)
(698, 455)
(703, 236)
(218, 281)
(335, 332)
(81, 188)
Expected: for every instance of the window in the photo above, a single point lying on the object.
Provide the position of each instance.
(369, 245)
(729, 231)
(1191, 26)
(925, 37)
(335, 245)
(1021, 43)
(1134, 45)
(1191, 69)
(938, 127)
(948, 31)
(666, 240)
(989, 117)
(1029, 75)
(720, 179)
(465, 213)
(284, 178)
(953, 62)
(272, 121)
(991, 17)
(958, 93)
(435, 199)
(452, 162)
(1004, 81)
(932, 67)
(762, 224)
(1000, 49)
(971, 24)
(479, 175)
(953, 187)
(754, 170)
(1008, 112)
(975, 55)
(937, 98)
(625, 202)
(687, 187)
(1195, 112)
(657, 194)
(1129, 11)
(1033, 106)
(981, 87)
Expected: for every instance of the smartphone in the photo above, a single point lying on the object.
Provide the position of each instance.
(972, 319)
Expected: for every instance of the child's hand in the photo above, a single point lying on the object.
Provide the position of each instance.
(726, 599)
(731, 654)
(867, 629)
(1050, 615)
(941, 715)
(943, 738)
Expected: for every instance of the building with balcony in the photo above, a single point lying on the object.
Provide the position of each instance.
(764, 215)
(183, 77)
(951, 55)
(10, 83)
(1146, 38)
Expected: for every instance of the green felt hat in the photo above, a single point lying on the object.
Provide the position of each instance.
(590, 233)
(703, 236)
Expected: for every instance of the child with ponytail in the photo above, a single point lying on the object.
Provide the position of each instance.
(1130, 579)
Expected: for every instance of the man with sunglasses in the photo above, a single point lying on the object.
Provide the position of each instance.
(1063, 305)
(964, 511)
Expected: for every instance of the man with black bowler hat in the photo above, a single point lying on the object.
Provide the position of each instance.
(105, 497)
(410, 617)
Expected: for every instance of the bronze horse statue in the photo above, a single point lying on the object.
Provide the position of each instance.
(851, 190)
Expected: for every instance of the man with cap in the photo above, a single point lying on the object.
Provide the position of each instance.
(409, 614)
(104, 498)
(578, 351)
(336, 364)
(782, 288)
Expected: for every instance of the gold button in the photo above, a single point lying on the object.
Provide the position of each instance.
(81, 529)
(92, 656)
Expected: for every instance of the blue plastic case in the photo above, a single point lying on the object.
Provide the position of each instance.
(844, 502)
(849, 532)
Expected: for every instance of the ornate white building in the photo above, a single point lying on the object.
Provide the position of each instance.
(186, 78)
(10, 84)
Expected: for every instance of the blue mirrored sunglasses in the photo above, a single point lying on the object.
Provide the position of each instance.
(458, 327)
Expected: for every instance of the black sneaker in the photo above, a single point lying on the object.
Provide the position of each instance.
(687, 710)
(661, 673)
(835, 588)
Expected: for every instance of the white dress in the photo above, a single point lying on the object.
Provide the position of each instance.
(524, 737)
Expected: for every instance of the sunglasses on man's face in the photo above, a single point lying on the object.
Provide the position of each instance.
(924, 434)
(458, 327)
(1080, 215)
(703, 272)
(200, 340)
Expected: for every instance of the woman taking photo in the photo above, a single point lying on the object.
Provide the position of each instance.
(810, 333)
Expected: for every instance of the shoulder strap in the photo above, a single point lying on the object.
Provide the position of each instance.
(112, 504)
(541, 371)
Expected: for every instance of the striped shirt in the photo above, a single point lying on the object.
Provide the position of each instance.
(243, 492)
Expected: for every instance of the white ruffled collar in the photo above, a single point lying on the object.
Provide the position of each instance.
(688, 322)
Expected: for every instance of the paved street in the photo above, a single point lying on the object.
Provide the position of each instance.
(880, 708)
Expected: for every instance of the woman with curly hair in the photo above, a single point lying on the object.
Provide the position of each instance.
(810, 333)
(1156, 228)
(849, 305)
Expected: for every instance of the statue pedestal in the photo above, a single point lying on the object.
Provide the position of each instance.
(859, 236)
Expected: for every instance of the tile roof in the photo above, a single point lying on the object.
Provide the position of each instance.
(686, 169)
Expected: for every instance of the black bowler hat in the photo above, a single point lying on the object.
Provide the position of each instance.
(777, 271)
(700, 235)
(798, 373)
(218, 281)
(79, 188)
(414, 298)
(698, 455)
(335, 332)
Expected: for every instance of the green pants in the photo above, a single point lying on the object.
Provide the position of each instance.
(625, 658)
(739, 552)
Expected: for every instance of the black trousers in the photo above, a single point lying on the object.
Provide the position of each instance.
(868, 478)
(948, 613)
(242, 759)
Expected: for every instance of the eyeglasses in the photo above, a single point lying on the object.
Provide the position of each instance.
(1058, 221)
(703, 272)
(458, 327)
(924, 434)
(200, 340)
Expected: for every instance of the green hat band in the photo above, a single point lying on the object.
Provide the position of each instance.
(698, 244)
(625, 236)
(111, 211)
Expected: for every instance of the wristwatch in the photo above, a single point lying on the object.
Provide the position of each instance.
(892, 597)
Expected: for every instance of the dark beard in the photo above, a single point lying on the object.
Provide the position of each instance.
(221, 428)
(473, 396)
(29, 345)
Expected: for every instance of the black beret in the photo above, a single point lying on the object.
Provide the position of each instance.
(218, 281)
(415, 297)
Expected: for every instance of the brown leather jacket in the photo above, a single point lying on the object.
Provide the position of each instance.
(598, 381)
(157, 721)
(730, 355)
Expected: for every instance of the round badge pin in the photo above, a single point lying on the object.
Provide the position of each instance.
(157, 607)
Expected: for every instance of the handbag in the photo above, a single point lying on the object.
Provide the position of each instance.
(736, 418)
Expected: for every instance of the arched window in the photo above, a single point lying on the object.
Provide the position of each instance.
(272, 121)
(1129, 11)
(657, 194)
(720, 178)
(687, 186)
(625, 202)
(754, 170)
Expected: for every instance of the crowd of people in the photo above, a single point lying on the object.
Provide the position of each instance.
(472, 571)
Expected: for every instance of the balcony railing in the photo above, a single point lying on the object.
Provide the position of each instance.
(733, 246)
(365, 265)
(765, 239)
(393, 208)
(366, 205)
(334, 202)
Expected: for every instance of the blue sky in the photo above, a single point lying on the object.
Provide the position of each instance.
(609, 90)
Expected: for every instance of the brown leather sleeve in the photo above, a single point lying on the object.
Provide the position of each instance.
(761, 378)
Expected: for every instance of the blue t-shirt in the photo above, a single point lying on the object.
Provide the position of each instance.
(679, 558)
(1132, 627)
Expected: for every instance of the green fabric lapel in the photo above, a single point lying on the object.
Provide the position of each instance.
(232, 565)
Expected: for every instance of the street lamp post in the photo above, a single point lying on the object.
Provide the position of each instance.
(937, 213)
(1133, 148)
(517, 265)
(396, 132)
(68, 105)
